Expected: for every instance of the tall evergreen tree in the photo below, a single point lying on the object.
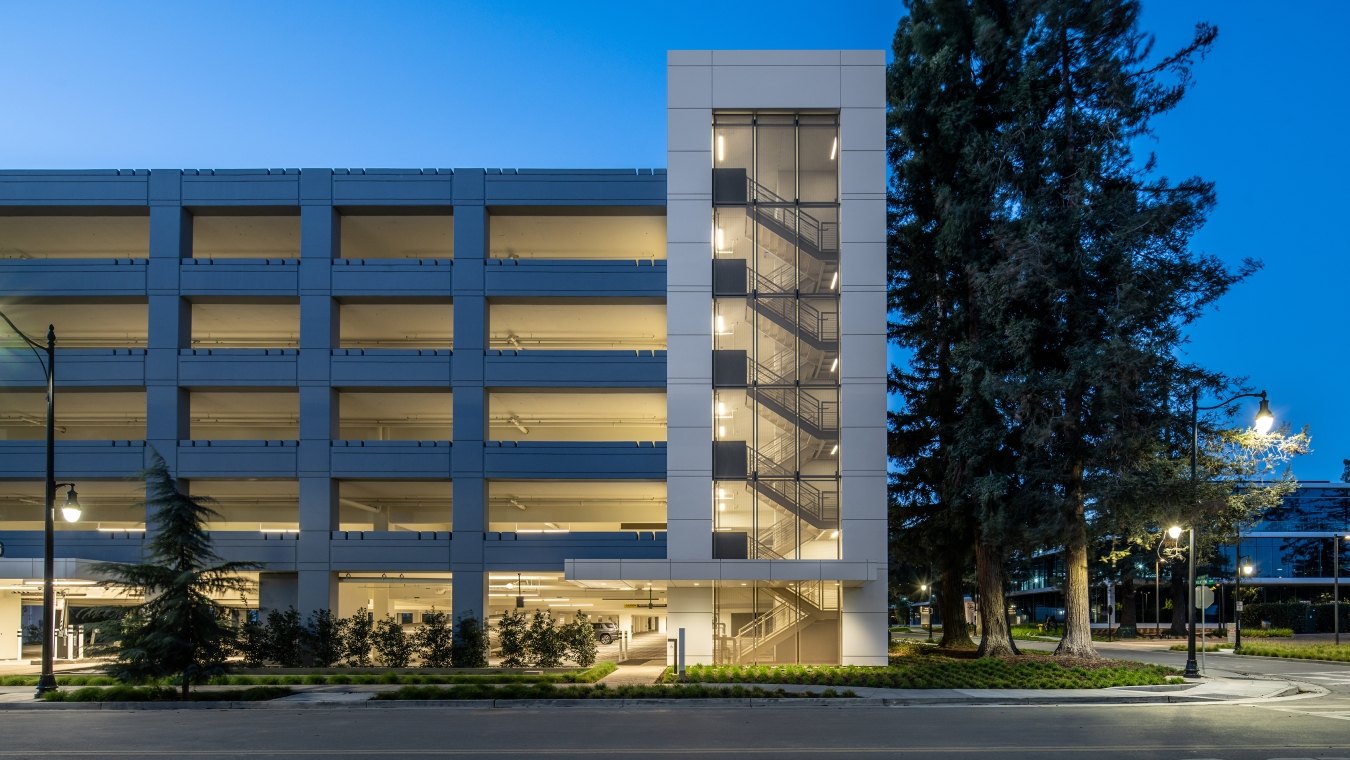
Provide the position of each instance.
(948, 104)
(1042, 270)
(179, 630)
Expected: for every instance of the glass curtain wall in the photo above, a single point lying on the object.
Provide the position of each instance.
(776, 335)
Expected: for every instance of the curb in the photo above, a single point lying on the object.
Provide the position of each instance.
(704, 703)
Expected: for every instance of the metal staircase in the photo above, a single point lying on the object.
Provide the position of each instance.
(813, 237)
(792, 610)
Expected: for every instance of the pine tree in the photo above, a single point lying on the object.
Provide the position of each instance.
(180, 628)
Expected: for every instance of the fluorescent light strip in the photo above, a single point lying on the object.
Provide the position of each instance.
(834, 147)
(721, 148)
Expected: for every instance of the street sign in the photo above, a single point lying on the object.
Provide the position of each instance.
(1204, 596)
(1239, 606)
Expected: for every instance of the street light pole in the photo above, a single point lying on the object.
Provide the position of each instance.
(1336, 586)
(1264, 420)
(47, 681)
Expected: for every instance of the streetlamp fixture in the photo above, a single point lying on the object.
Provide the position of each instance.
(47, 681)
(929, 588)
(1336, 583)
(1244, 568)
(1264, 421)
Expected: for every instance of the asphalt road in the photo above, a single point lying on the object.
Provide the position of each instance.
(1316, 727)
(1102, 732)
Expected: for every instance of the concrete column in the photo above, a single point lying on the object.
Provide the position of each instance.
(316, 590)
(692, 610)
(864, 633)
(469, 488)
(11, 620)
(689, 306)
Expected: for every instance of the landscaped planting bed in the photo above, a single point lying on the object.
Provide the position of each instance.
(163, 694)
(599, 691)
(913, 668)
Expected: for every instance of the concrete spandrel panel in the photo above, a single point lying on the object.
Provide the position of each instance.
(641, 569)
(695, 570)
(689, 129)
(689, 86)
(776, 87)
(73, 277)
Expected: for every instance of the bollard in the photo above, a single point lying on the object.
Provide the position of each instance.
(680, 655)
(18, 639)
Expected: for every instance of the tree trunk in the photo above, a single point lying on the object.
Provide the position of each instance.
(953, 604)
(1178, 600)
(989, 579)
(1129, 618)
(1077, 641)
(186, 686)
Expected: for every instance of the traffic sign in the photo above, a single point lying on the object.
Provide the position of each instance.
(1204, 596)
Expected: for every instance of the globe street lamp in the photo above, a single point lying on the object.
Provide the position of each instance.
(47, 681)
(1263, 423)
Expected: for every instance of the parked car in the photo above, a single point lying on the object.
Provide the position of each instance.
(606, 633)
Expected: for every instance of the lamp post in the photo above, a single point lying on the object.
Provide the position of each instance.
(1336, 584)
(1241, 570)
(47, 681)
(1264, 420)
(929, 588)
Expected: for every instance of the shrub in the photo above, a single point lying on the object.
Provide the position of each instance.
(324, 635)
(253, 643)
(1296, 616)
(544, 642)
(286, 638)
(511, 639)
(392, 647)
(579, 638)
(471, 644)
(356, 633)
(435, 640)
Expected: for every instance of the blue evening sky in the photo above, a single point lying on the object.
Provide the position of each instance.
(515, 84)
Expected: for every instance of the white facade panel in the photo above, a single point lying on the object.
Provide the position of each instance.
(782, 87)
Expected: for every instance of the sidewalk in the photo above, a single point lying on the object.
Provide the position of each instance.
(1209, 690)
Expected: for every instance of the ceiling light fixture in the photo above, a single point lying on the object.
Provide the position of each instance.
(517, 424)
(834, 280)
(834, 147)
(834, 365)
(516, 504)
(721, 148)
(834, 450)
